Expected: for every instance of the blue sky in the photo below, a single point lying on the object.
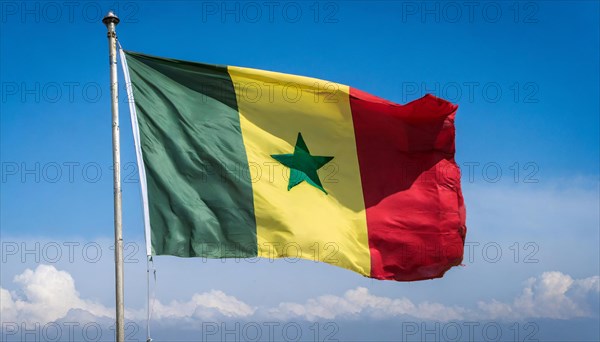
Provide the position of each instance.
(524, 74)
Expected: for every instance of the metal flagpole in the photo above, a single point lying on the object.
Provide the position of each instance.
(111, 21)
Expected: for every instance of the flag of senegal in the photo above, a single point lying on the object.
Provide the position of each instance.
(238, 162)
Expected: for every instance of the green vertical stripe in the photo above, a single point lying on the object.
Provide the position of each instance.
(199, 187)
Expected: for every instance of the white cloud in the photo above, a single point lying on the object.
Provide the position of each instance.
(552, 295)
(359, 302)
(204, 306)
(47, 294)
(591, 284)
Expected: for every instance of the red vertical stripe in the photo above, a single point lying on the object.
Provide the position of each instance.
(411, 185)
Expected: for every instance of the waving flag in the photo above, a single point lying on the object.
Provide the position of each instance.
(239, 162)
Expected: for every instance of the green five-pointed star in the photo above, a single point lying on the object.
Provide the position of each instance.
(303, 166)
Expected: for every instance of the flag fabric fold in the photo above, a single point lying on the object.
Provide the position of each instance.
(242, 162)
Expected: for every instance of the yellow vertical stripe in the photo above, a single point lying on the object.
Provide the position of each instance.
(303, 221)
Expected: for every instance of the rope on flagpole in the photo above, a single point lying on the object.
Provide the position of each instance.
(151, 294)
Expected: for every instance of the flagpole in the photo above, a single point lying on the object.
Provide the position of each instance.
(111, 21)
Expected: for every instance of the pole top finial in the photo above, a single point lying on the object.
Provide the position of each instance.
(110, 18)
